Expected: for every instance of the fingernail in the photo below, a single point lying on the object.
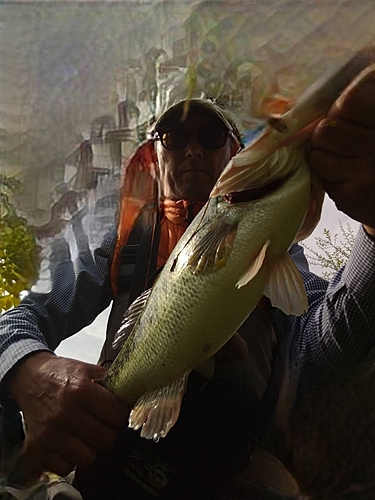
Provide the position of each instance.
(332, 123)
(340, 100)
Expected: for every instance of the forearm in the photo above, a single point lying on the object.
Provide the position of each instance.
(338, 331)
(79, 293)
(19, 337)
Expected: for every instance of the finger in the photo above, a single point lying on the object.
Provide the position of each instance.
(86, 392)
(25, 471)
(59, 454)
(35, 461)
(81, 421)
(107, 407)
(344, 138)
(79, 451)
(333, 168)
(357, 104)
(95, 372)
(336, 191)
(72, 451)
(352, 194)
(98, 435)
(58, 464)
(362, 211)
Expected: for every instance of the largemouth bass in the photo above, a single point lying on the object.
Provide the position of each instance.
(234, 252)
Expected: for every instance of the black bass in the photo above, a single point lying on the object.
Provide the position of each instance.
(233, 253)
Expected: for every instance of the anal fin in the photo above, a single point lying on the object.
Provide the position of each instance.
(285, 287)
(157, 411)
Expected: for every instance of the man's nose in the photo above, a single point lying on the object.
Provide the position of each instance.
(193, 149)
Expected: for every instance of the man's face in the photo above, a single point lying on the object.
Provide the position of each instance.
(191, 172)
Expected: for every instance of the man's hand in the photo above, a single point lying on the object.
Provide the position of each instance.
(343, 153)
(69, 416)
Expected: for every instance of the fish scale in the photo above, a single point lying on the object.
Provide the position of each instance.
(176, 339)
(198, 303)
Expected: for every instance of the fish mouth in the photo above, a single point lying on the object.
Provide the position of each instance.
(256, 193)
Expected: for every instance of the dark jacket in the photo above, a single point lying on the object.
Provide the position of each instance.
(219, 420)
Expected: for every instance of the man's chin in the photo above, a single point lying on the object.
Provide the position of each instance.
(195, 193)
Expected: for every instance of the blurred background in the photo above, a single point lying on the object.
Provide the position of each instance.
(81, 81)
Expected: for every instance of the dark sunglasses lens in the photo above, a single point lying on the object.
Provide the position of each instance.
(174, 139)
(207, 137)
(212, 138)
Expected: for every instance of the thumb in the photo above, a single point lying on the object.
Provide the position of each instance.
(96, 372)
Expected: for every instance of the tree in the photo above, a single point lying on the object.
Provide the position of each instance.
(332, 252)
(19, 252)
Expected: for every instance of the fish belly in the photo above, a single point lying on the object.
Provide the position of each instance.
(189, 316)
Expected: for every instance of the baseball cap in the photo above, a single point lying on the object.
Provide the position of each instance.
(174, 105)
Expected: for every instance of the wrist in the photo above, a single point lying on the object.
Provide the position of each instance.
(370, 231)
(20, 375)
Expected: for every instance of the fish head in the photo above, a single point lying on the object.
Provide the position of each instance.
(258, 162)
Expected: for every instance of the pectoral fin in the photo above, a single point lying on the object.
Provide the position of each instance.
(285, 287)
(157, 411)
(255, 266)
(211, 251)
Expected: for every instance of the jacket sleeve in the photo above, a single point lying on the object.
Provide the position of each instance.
(80, 290)
(338, 331)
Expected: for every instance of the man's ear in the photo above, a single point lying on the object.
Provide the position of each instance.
(154, 153)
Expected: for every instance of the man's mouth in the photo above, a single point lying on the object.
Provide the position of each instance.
(194, 169)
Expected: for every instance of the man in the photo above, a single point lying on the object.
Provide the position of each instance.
(70, 417)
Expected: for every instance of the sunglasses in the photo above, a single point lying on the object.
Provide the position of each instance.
(179, 137)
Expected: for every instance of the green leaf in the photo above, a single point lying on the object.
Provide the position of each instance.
(19, 252)
(332, 253)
